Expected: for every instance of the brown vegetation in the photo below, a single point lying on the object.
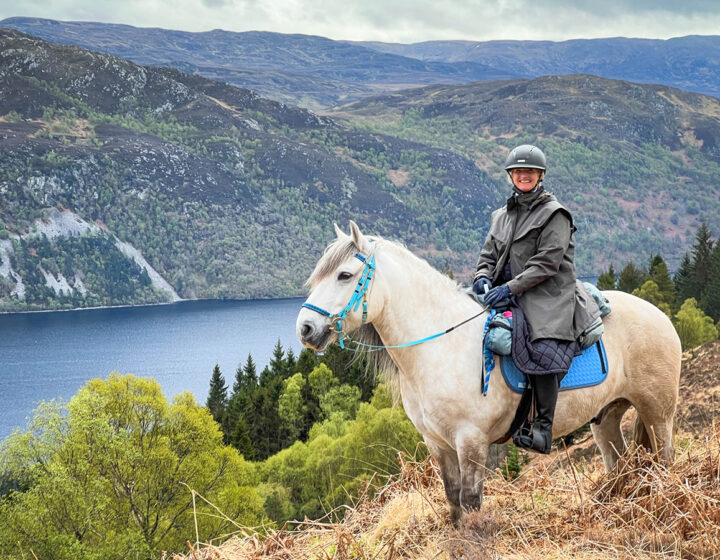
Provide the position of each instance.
(560, 507)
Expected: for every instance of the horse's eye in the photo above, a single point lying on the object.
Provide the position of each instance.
(344, 276)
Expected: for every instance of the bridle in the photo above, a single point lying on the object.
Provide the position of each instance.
(360, 295)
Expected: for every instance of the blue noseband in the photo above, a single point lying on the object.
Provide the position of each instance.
(359, 295)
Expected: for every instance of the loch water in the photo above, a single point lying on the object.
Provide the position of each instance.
(50, 355)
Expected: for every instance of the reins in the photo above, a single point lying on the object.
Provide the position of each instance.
(360, 295)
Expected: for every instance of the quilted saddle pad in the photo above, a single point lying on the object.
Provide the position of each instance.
(588, 369)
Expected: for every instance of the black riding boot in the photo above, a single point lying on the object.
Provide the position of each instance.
(538, 435)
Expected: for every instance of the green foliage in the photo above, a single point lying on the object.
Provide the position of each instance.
(112, 478)
(515, 460)
(631, 278)
(217, 395)
(341, 455)
(607, 280)
(658, 272)
(650, 291)
(291, 407)
(693, 326)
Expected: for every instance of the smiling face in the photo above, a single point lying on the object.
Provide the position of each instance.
(525, 179)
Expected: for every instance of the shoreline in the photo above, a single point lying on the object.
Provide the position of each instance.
(159, 304)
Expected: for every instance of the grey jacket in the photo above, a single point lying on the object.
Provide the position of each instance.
(533, 234)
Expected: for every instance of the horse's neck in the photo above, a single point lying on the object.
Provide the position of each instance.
(420, 300)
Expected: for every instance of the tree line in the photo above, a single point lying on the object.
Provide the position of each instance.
(691, 298)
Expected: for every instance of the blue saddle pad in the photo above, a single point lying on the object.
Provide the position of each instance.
(588, 369)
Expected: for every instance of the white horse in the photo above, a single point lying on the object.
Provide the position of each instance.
(440, 380)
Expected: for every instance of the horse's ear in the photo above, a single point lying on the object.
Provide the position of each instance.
(358, 238)
(340, 233)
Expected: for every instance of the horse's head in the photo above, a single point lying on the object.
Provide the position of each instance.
(338, 290)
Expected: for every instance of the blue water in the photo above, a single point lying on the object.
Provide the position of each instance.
(51, 355)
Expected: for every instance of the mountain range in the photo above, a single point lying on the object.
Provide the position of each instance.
(317, 72)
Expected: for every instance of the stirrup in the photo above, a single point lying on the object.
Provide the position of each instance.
(533, 439)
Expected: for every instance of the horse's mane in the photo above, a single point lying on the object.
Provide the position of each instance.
(379, 362)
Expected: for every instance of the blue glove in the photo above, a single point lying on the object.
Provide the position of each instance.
(479, 285)
(496, 295)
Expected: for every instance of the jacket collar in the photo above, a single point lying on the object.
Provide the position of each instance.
(526, 200)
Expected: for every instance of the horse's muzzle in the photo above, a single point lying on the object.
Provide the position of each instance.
(313, 335)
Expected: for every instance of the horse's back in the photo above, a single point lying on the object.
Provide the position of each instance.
(643, 339)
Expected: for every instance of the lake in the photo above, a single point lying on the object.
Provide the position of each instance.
(51, 355)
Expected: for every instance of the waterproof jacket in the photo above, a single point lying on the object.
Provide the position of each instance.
(530, 247)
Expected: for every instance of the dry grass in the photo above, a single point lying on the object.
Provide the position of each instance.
(556, 509)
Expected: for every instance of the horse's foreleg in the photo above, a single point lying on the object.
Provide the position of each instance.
(607, 433)
(472, 453)
(450, 470)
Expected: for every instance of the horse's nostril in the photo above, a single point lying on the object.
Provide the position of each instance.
(306, 330)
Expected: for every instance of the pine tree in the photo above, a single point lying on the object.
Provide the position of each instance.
(606, 280)
(217, 397)
(290, 361)
(682, 280)
(241, 441)
(701, 252)
(278, 364)
(631, 278)
(658, 272)
(711, 296)
(250, 373)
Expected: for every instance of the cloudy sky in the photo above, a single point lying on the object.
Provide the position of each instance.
(398, 20)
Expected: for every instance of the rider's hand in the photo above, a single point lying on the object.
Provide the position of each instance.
(480, 284)
(496, 295)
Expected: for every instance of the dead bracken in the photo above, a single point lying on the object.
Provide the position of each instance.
(557, 508)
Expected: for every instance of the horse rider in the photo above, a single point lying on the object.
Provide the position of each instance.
(528, 256)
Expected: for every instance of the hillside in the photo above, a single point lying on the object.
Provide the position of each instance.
(299, 69)
(561, 506)
(224, 193)
(637, 164)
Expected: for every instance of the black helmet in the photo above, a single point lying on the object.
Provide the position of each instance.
(525, 156)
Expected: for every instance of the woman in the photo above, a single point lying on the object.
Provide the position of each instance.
(529, 255)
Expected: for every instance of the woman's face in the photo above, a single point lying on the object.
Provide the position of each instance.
(525, 179)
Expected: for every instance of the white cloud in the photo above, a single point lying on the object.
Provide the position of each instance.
(400, 20)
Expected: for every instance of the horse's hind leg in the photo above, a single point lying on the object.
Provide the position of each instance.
(450, 471)
(655, 433)
(607, 433)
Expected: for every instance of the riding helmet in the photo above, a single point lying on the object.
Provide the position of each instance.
(525, 156)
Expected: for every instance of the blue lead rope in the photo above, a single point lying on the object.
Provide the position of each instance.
(489, 358)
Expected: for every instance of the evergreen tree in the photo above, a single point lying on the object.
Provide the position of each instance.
(290, 362)
(683, 280)
(306, 362)
(711, 297)
(701, 252)
(278, 363)
(606, 280)
(631, 278)
(217, 397)
(658, 272)
(250, 373)
(240, 440)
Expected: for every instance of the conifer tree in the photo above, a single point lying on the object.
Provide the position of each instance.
(631, 278)
(658, 272)
(240, 440)
(606, 280)
(683, 280)
(701, 252)
(217, 396)
(711, 296)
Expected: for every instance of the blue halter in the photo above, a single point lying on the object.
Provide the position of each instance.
(359, 295)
